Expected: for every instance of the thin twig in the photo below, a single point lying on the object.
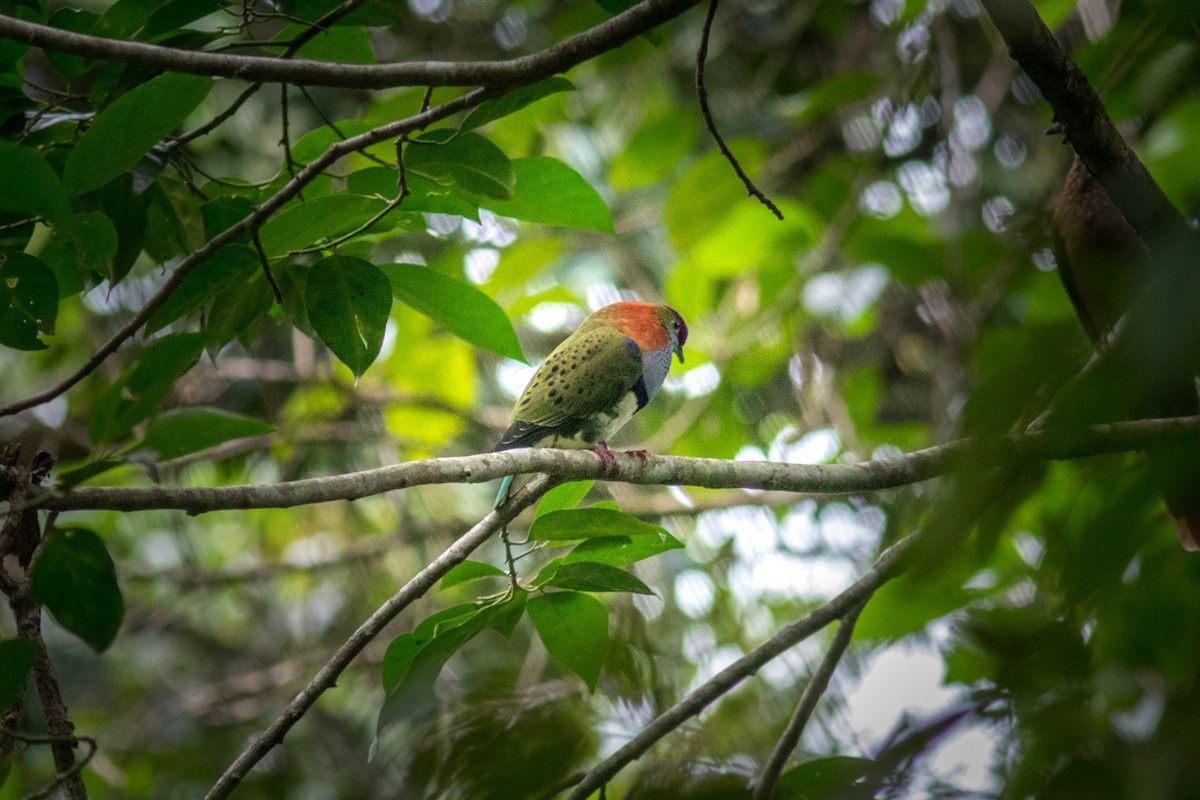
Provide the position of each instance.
(416, 588)
(266, 268)
(765, 787)
(390, 206)
(62, 777)
(702, 94)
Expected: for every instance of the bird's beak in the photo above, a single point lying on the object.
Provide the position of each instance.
(679, 352)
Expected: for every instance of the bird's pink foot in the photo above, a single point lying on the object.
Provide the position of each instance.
(605, 455)
(642, 454)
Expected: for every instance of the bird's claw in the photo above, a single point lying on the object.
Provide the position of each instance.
(606, 457)
(640, 454)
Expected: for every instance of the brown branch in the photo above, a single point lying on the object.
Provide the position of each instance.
(416, 588)
(702, 94)
(764, 789)
(266, 268)
(869, 476)
(62, 778)
(606, 36)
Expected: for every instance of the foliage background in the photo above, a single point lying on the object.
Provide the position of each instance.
(907, 297)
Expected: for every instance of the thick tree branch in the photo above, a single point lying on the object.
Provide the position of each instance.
(1085, 122)
(567, 465)
(416, 588)
(231, 234)
(495, 74)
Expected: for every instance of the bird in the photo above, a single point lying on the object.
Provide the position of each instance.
(1105, 268)
(595, 381)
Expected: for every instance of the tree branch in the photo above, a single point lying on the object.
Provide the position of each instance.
(416, 588)
(606, 36)
(765, 788)
(568, 465)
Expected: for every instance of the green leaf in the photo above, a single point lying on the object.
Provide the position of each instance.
(491, 110)
(467, 312)
(317, 141)
(396, 660)
(87, 241)
(189, 430)
(141, 389)
(550, 192)
(910, 602)
(469, 571)
(303, 224)
(76, 21)
(228, 268)
(425, 195)
(621, 551)
(574, 628)
(348, 301)
(236, 312)
(31, 186)
(28, 301)
(126, 130)
(74, 577)
(564, 496)
(508, 614)
(466, 160)
(655, 150)
(586, 523)
(591, 576)
(346, 44)
(824, 778)
(833, 94)
(16, 662)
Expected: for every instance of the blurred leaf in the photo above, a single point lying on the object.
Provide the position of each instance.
(591, 576)
(348, 303)
(303, 224)
(89, 240)
(28, 301)
(189, 430)
(16, 662)
(510, 102)
(655, 150)
(140, 390)
(833, 94)
(126, 130)
(467, 160)
(832, 778)
(76, 21)
(469, 571)
(230, 267)
(586, 523)
(563, 497)
(467, 312)
(574, 629)
(31, 186)
(396, 660)
(550, 192)
(75, 578)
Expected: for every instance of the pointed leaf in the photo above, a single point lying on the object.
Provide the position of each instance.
(574, 628)
(125, 131)
(825, 779)
(31, 186)
(74, 577)
(348, 302)
(508, 614)
(491, 110)
(16, 662)
(189, 430)
(621, 551)
(396, 660)
(466, 160)
(564, 496)
(28, 301)
(469, 571)
(141, 389)
(591, 576)
(229, 267)
(585, 523)
(467, 312)
(550, 192)
(303, 224)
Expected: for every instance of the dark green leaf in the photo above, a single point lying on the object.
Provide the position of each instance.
(550, 192)
(831, 778)
(74, 577)
(237, 312)
(466, 160)
(590, 576)
(172, 15)
(347, 44)
(141, 389)
(425, 195)
(16, 662)
(126, 130)
(467, 312)
(303, 224)
(491, 110)
(76, 21)
(621, 551)
(223, 212)
(89, 240)
(834, 94)
(574, 629)
(348, 302)
(508, 614)
(188, 430)
(909, 603)
(585, 523)
(317, 141)
(28, 301)
(230, 267)
(396, 659)
(31, 186)
(564, 496)
(469, 571)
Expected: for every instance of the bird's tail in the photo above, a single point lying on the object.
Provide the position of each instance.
(502, 495)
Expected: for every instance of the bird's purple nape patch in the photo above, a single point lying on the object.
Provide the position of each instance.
(681, 328)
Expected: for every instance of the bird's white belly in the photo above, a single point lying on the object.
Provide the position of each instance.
(600, 427)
